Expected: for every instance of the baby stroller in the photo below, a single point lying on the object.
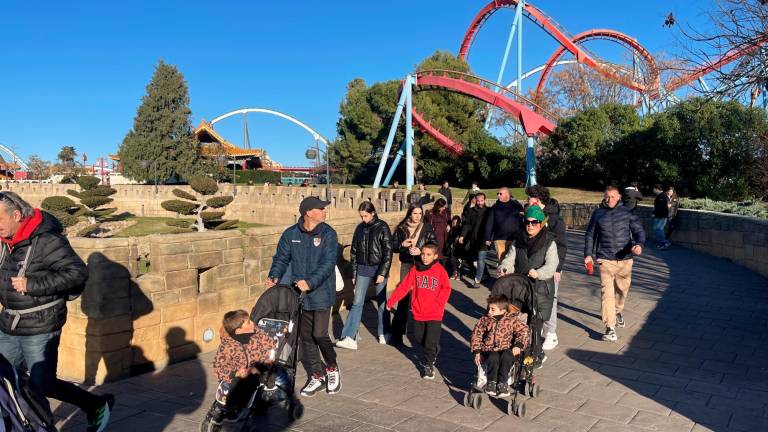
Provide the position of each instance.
(278, 313)
(522, 382)
(20, 407)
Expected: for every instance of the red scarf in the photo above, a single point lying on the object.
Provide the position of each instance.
(27, 227)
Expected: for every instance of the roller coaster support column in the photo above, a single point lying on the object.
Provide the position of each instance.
(395, 163)
(406, 97)
(517, 24)
(530, 162)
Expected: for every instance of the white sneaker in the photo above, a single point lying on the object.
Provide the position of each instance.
(333, 380)
(347, 343)
(550, 342)
(313, 386)
(384, 339)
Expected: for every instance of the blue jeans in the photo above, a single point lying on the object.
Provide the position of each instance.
(356, 312)
(41, 355)
(658, 229)
(480, 264)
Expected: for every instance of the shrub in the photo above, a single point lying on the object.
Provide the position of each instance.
(179, 206)
(746, 208)
(227, 225)
(67, 220)
(59, 203)
(87, 182)
(99, 191)
(74, 193)
(256, 177)
(92, 202)
(211, 215)
(178, 223)
(203, 185)
(88, 230)
(184, 195)
(219, 201)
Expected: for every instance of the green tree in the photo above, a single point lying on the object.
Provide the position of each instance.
(162, 132)
(66, 158)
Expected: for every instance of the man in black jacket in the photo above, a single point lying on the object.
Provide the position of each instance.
(614, 235)
(504, 224)
(445, 191)
(539, 195)
(472, 235)
(661, 206)
(631, 196)
(38, 272)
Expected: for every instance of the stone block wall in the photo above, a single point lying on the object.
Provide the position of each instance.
(126, 323)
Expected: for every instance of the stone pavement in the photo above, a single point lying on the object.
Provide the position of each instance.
(693, 357)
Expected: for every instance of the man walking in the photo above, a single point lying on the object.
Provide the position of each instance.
(631, 196)
(505, 220)
(38, 272)
(614, 235)
(539, 195)
(306, 258)
(661, 205)
(472, 235)
(445, 190)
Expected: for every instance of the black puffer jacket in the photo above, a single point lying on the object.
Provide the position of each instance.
(426, 236)
(612, 232)
(372, 245)
(54, 272)
(557, 229)
(473, 229)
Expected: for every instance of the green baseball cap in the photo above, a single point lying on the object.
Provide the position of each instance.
(535, 212)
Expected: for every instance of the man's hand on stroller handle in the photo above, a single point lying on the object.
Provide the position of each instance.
(516, 351)
(270, 282)
(302, 285)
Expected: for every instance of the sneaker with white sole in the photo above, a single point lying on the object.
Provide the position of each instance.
(620, 320)
(98, 419)
(429, 372)
(313, 386)
(333, 380)
(347, 343)
(610, 335)
(384, 339)
(550, 342)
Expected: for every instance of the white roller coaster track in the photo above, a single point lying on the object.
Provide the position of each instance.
(14, 158)
(316, 135)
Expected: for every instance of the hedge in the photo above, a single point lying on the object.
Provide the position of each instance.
(88, 182)
(58, 203)
(747, 208)
(256, 177)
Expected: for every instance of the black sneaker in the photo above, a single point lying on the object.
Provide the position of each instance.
(610, 335)
(490, 388)
(502, 389)
(98, 419)
(313, 386)
(429, 372)
(620, 320)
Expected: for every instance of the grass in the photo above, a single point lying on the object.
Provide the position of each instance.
(157, 225)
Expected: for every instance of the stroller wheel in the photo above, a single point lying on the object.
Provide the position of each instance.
(477, 401)
(526, 387)
(516, 408)
(467, 395)
(535, 390)
(297, 411)
(208, 426)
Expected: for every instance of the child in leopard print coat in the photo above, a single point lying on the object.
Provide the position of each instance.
(243, 346)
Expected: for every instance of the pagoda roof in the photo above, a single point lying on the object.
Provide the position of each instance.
(211, 141)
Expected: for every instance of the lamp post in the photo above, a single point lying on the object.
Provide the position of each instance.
(234, 178)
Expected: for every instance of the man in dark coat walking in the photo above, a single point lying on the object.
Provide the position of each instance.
(472, 235)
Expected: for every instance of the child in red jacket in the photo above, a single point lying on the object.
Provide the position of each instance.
(431, 288)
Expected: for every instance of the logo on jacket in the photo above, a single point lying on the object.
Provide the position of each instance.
(427, 282)
(316, 241)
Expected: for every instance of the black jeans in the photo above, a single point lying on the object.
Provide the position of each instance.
(315, 340)
(498, 364)
(427, 334)
(400, 319)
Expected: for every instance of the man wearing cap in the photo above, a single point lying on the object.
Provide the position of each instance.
(614, 235)
(306, 258)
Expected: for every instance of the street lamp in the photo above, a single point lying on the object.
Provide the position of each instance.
(234, 178)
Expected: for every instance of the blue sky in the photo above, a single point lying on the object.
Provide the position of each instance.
(73, 73)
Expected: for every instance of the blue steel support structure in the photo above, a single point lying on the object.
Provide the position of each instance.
(395, 163)
(405, 102)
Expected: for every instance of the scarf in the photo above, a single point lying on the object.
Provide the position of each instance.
(413, 229)
(533, 244)
(27, 227)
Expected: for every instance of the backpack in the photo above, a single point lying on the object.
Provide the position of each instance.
(22, 409)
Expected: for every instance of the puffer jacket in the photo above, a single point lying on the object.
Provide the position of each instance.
(233, 355)
(612, 232)
(426, 236)
(312, 257)
(491, 334)
(372, 245)
(557, 229)
(54, 273)
(504, 221)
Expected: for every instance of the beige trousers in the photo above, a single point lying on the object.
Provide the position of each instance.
(615, 279)
(502, 246)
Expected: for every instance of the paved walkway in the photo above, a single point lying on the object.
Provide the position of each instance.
(693, 357)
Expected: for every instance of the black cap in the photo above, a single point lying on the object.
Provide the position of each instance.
(311, 203)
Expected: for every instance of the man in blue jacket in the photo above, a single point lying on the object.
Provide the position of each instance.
(614, 234)
(306, 258)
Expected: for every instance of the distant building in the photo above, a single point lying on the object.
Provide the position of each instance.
(7, 170)
(214, 145)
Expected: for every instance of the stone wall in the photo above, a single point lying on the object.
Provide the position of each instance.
(127, 323)
(274, 205)
(741, 239)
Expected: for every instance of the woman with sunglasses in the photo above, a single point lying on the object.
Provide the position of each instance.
(536, 257)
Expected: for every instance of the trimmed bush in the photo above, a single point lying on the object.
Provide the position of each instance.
(93, 202)
(178, 206)
(88, 182)
(66, 219)
(211, 215)
(203, 185)
(74, 193)
(184, 195)
(219, 201)
(179, 223)
(100, 213)
(99, 191)
(59, 203)
(81, 210)
(256, 177)
(88, 230)
(227, 225)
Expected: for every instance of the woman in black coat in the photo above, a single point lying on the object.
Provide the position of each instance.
(411, 234)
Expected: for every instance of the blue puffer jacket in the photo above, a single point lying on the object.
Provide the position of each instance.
(612, 232)
(311, 256)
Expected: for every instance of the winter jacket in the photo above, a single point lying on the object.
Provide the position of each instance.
(440, 223)
(473, 229)
(426, 236)
(233, 355)
(431, 289)
(372, 246)
(312, 257)
(612, 232)
(446, 192)
(504, 221)
(54, 272)
(661, 206)
(557, 229)
(491, 334)
(630, 196)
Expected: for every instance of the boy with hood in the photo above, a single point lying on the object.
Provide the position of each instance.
(431, 288)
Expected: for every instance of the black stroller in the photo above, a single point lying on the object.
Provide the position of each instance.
(278, 313)
(21, 408)
(522, 382)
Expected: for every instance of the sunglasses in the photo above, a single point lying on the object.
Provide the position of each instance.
(532, 222)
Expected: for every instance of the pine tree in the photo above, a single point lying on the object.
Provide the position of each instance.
(161, 143)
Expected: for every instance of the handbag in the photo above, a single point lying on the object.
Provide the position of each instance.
(339, 280)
